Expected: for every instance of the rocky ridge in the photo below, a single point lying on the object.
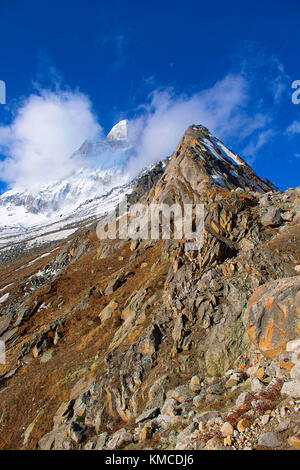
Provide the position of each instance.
(141, 344)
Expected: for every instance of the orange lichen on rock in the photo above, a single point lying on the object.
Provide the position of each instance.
(271, 315)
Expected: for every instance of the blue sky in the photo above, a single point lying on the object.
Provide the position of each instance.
(162, 65)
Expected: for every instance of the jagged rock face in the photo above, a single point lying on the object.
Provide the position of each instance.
(198, 164)
(145, 182)
(144, 328)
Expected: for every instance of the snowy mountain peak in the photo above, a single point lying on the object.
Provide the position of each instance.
(119, 131)
(200, 160)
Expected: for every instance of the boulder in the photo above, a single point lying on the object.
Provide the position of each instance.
(294, 441)
(184, 438)
(293, 346)
(64, 413)
(29, 430)
(292, 389)
(181, 394)
(165, 421)
(243, 398)
(157, 392)
(233, 380)
(119, 439)
(147, 431)
(215, 444)
(77, 431)
(115, 283)
(170, 407)
(216, 388)
(256, 385)
(227, 429)
(243, 424)
(195, 384)
(269, 439)
(272, 316)
(148, 414)
(47, 441)
(283, 425)
(107, 312)
(295, 371)
(47, 355)
(4, 324)
(207, 416)
(102, 438)
(272, 218)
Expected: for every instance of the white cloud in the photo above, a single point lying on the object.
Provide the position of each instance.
(255, 144)
(294, 128)
(266, 71)
(281, 80)
(46, 130)
(220, 108)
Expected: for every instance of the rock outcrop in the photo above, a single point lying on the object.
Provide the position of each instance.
(272, 317)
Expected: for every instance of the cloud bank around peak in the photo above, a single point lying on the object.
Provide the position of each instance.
(50, 126)
(221, 108)
(47, 128)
